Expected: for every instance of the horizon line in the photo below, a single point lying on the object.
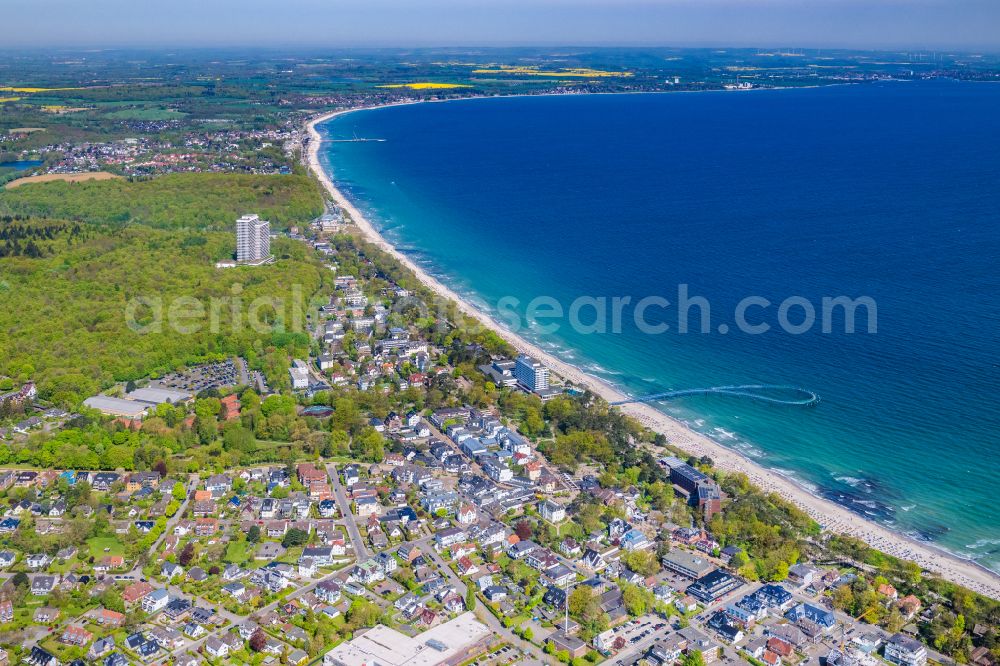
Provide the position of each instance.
(375, 46)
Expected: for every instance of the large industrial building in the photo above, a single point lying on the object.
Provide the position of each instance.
(453, 642)
(137, 403)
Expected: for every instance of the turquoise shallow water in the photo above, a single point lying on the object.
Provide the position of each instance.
(888, 191)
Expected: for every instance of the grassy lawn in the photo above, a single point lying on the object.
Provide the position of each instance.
(99, 544)
(62, 566)
(62, 651)
(22, 618)
(237, 552)
(291, 555)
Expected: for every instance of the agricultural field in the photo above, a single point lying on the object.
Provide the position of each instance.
(62, 177)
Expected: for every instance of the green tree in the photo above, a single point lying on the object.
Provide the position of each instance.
(738, 560)
(636, 599)
(112, 600)
(589, 517)
(294, 537)
(362, 613)
(253, 534)
(207, 428)
(368, 445)
(585, 608)
(693, 657)
(643, 562)
(780, 572)
(237, 438)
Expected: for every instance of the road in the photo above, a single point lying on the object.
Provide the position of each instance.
(362, 553)
(357, 542)
(193, 646)
(360, 548)
(484, 615)
(192, 484)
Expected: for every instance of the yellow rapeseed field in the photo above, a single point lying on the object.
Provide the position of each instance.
(426, 85)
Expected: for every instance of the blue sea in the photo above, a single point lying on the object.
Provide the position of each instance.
(887, 191)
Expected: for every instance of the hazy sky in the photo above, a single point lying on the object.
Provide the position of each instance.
(924, 24)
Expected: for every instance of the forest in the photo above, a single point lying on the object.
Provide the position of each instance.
(67, 311)
(184, 201)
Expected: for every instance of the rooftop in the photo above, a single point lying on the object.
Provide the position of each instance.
(388, 647)
(158, 395)
(116, 406)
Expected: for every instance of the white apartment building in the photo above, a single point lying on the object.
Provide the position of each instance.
(531, 374)
(253, 239)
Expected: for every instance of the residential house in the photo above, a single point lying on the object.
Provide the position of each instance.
(551, 511)
(820, 616)
(135, 592)
(466, 514)
(366, 506)
(902, 650)
(155, 601)
(887, 590)
(101, 647)
(37, 561)
(75, 634)
(40, 657)
(109, 618)
(171, 569)
(42, 585)
(46, 615)
(216, 649)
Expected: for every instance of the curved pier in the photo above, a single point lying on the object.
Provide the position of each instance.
(750, 391)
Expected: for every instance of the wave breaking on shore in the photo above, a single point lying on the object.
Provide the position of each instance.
(825, 510)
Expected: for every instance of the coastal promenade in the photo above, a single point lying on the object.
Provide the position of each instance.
(831, 516)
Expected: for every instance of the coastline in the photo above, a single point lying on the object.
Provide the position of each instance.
(833, 517)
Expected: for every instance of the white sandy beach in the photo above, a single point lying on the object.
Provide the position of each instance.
(830, 515)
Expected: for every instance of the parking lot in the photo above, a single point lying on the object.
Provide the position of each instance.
(505, 654)
(213, 375)
(639, 634)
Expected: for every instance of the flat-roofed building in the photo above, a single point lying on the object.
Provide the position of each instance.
(449, 643)
(299, 373)
(686, 564)
(687, 477)
(157, 396)
(130, 409)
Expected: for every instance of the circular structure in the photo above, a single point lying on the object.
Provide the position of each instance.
(803, 397)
